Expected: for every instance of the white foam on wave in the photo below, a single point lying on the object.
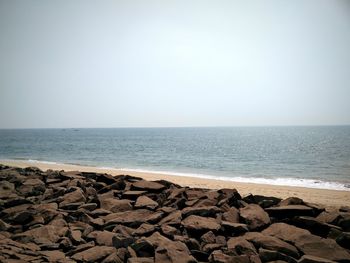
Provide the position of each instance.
(43, 162)
(296, 182)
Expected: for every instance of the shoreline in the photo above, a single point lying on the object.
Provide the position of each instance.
(329, 198)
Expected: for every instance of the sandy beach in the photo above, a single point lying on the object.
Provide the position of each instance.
(329, 198)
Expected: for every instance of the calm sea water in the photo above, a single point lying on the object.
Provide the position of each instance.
(300, 156)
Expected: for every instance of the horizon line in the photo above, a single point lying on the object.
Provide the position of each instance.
(172, 127)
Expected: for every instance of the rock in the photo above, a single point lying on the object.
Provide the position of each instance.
(115, 205)
(233, 228)
(344, 222)
(76, 196)
(285, 232)
(42, 235)
(313, 259)
(208, 248)
(313, 225)
(241, 246)
(344, 240)
(131, 218)
(290, 211)
(32, 187)
(54, 256)
(4, 226)
(120, 241)
(307, 243)
(263, 201)
(321, 247)
(145, 202)
(232, 215)
(164, 249)
(147, 186)
(176, 252)
(270, 255)
(291, 201)
(271, 243)
(169, 231)
(173, 218)
(75, 236)
(254, 216)
(208, 237)
(200, 211)
(199, 223)
(144, 229)
(218, 256)
(329, 217)
(141, 260)
(93, 254)
(113, 258)
(132, 195)
(102, 238)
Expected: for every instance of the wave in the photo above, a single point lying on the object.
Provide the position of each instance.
(281, 181)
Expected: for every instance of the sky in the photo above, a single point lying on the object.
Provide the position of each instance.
(177, 63)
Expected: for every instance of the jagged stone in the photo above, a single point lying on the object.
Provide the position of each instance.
(254, 216)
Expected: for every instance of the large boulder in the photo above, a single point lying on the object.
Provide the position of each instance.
(115, 205)
(307, 243)
(290, 211)
(271, 243)
(94, 254)
(132, 218)
(77, 196)
(199, 223)
(147, 186)
(145, 202)
(42, 235)
(254, 216)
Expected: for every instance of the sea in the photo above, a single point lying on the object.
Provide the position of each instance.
(310, 156)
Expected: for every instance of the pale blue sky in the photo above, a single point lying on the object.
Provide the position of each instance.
(174, 63)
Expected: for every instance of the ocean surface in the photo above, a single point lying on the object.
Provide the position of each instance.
(317, 157)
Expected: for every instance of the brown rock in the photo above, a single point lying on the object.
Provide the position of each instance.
(254, 216)
(208, 237)
(270, 255)
(307, 243)
(233, 228)
(76, 196)
(54, 256)
(145, 202)
(232, 215)
(42, 235)
(144, 229)
(147, 185)
(313, 259)
(291, 201)
(271, 243)
(290, 211)
(199, 223)
(141, 260)
(94, 254)
(173, 218)
(132, 218)
(169, 231)
(241, 246)
(102, 238)
(115, 205)
(200, 211)
(120, 241)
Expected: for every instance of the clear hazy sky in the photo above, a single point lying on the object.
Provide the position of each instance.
(174, 63)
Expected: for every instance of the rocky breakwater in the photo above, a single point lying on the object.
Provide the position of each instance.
(58, 216)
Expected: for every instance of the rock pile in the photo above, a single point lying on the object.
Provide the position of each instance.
(58, 216)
